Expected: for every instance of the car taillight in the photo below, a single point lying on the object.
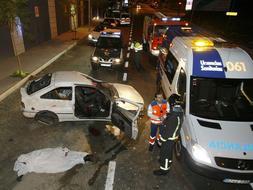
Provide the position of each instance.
(22, 105)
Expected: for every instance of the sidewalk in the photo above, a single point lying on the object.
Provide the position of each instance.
(36, 59)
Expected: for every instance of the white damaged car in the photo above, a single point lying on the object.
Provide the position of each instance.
(74, 96)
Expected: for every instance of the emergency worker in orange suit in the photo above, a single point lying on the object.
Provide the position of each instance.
(157, 112)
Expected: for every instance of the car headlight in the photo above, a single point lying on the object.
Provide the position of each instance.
(95, 59)
(90, 36)
(200, 154)
(117, 60)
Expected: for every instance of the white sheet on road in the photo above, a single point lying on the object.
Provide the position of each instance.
(48, 160)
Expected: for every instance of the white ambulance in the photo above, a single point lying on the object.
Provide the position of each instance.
(215, 81)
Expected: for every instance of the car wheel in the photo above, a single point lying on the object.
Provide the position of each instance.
(47, 118)
(178, 148)
(94, 67)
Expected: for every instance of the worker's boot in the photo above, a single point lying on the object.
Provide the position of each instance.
(160, 172)
(88, 158)
(151, 147)
(19, 178)
(158, 143)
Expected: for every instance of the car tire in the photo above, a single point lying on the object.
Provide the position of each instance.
(94, 67)
(46, 117)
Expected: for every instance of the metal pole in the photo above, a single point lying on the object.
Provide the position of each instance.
(89, 13)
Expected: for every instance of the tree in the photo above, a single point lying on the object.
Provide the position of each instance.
(10, 10)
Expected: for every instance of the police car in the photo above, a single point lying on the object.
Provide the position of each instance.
(93, 36)
(125, 19)
(74, 96)
(214, 79)
(109, 50)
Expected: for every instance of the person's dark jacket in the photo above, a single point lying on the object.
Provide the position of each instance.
(171, 126)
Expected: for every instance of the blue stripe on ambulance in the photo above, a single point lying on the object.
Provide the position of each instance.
(208, 63)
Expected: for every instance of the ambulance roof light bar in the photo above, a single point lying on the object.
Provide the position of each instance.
(175, 19)
(203, 43)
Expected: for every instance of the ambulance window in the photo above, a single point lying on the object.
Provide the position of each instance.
(171, 66)
(181, 83)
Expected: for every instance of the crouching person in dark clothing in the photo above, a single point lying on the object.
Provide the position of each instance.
(169, 132)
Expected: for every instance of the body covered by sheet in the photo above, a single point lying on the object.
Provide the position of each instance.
(48, 160)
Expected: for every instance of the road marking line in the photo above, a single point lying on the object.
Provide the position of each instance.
(130, 39)
(126, 64)
(130, 43)
(110, 175)
(128, 48)
(128, 54)
(124, 77)
(251, 184)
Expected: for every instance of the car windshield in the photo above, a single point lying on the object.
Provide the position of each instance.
(116, 14)
(160, 30)
(107, 88)
(99, 28)
(125, 15)
(222, 99)
(109, 42)
(109, 20)
(38, 84)
(111, 14)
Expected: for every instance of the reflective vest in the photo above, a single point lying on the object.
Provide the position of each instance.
(158, 110)
(136, 46)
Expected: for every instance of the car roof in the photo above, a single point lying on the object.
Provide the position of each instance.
(109, 32)
(61, 78)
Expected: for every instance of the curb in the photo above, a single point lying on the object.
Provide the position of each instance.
(35, 72)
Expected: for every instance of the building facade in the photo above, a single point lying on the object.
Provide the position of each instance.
(47, 20)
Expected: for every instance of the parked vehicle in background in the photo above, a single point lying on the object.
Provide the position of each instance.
(93, 36)
(111, 22)
(125, 19)
(109, 50)
(115, 14)
(154, 29)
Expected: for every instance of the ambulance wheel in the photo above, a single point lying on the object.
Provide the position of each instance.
(46, 117)
(178, 149)
(94, 67)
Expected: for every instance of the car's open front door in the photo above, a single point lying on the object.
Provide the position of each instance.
(125, 114)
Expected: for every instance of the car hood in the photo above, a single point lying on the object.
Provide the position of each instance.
(224, 138)
(95, 34)
(128, 92)
(107, 53)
